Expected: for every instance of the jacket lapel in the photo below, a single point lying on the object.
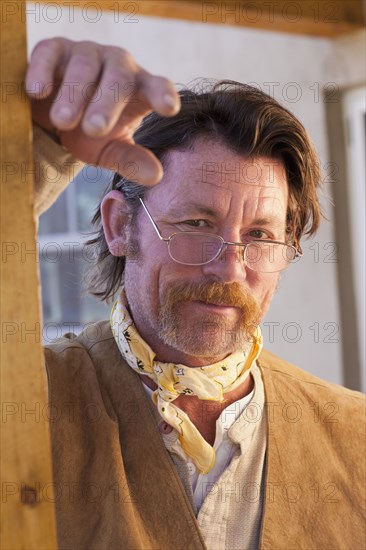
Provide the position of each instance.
(159, 496)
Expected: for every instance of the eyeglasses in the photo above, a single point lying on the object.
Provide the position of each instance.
(196, 248)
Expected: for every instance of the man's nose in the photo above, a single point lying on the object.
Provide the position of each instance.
(229, 267)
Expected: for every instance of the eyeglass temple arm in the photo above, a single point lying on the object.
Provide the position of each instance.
(152, 221)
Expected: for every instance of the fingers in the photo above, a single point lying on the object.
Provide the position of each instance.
(124, 86)
(78, 85)
(116, 90)
(161, 93)
(131, 161)
(97, 84)
(45, 57)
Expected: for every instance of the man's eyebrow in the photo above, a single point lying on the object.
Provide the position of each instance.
(268, 220)
(191, 208)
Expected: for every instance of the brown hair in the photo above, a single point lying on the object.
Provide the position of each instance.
(247, 121)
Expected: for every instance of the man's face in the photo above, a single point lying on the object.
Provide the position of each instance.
(200, 314)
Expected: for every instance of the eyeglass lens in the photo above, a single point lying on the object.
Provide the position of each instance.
(193, 248)
(197, 249)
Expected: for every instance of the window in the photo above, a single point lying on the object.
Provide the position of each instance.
(63, 231)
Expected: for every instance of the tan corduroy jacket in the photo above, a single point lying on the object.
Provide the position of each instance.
(117, 487)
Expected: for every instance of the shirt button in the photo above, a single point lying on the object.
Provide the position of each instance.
(165, 428)
(191, 468)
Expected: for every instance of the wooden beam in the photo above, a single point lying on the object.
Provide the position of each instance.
(318, 18)
(310, 17)
(27, 509)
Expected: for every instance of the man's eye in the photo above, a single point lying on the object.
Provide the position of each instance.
(194, 223)
(259, 234)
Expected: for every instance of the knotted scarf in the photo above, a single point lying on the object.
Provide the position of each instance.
(210, 382)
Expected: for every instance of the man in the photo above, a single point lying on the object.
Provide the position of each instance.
(174, 429)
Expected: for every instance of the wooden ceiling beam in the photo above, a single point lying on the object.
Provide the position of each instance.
(309, 17)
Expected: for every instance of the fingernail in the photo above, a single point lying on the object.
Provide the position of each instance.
(97, 122)
(170, 101)
(65, 114)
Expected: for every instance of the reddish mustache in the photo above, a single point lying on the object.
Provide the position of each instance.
(212, 293)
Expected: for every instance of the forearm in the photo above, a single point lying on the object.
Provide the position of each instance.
(55, 168)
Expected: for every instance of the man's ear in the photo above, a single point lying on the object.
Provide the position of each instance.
(116, 216)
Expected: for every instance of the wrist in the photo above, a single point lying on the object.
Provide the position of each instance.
(54, 134)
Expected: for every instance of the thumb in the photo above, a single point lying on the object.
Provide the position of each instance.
(131, 161)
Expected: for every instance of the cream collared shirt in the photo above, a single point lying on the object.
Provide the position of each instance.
(224, 449)
(229, 499)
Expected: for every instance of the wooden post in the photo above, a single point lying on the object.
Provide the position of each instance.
(27, 491)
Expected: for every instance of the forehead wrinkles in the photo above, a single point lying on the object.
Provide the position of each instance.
(266, 201)
(252, 172)
(243, 195)
(200, 177)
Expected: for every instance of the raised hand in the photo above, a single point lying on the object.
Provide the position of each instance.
(93, 98)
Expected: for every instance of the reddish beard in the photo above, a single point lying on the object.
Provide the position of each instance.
(193, 339)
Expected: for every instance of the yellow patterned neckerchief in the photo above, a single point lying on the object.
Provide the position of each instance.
(210, 382)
